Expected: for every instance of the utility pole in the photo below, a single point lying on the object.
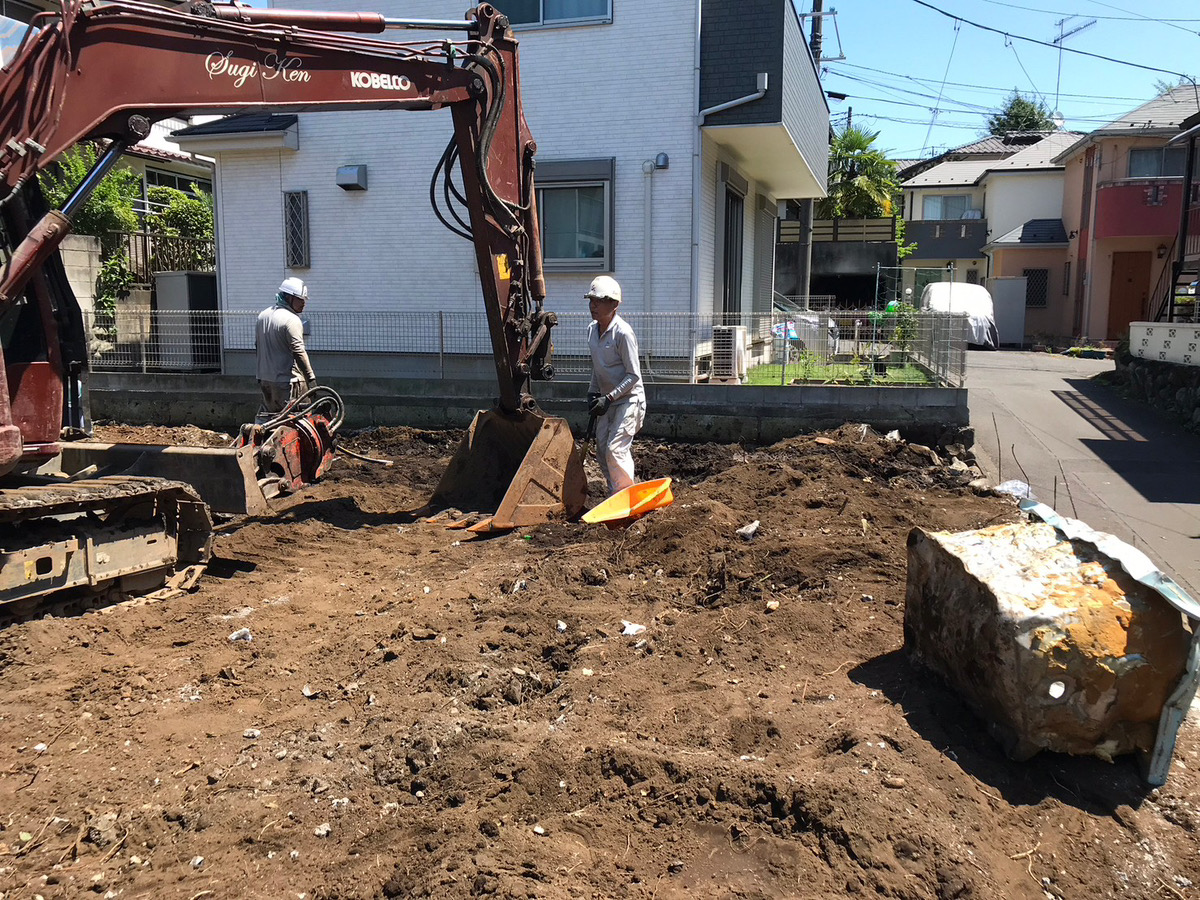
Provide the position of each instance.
(816, 40)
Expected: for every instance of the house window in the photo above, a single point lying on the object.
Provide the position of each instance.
(945, 206)
(1037, 287)
(158, 178)
(972, 276)
(295, 229)
(1157, 162)
(575, 213)
(558, 12)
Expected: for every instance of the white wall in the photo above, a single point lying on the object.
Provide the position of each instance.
(1015, 199)
(249, 229)
(623, 90)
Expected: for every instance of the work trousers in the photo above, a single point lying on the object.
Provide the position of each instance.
(614, 441)
(275, 396)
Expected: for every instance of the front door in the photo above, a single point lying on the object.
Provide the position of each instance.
(1128, 293)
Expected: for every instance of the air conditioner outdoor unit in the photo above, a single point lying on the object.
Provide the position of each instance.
(729, 353)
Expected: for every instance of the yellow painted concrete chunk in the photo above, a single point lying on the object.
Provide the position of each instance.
(1049, 639)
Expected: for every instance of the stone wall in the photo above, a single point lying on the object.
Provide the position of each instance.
(1170, 388)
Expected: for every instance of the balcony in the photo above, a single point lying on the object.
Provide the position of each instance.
(781, 139)
(1138, 207)
(947, 238)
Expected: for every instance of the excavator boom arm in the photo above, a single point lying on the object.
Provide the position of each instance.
(107, 71)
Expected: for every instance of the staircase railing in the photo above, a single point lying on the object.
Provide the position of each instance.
(1164, 291)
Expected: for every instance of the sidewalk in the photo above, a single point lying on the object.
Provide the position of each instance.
(1088, 452)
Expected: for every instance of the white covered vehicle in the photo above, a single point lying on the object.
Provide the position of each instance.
(972, 300)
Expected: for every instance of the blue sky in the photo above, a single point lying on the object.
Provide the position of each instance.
(904, 60)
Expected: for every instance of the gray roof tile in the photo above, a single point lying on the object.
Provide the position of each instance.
(1035, 231)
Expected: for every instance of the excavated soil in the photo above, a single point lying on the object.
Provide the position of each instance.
(422, 712)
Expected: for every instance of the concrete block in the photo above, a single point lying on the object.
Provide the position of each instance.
(1048, 638)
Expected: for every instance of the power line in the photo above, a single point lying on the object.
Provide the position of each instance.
(899, 90)
(1084, 98)
(1011, 46)
(1058, 12)
(1103, 116)
(933, 117)
(1140, 16)
(1018, 37)
(1101, 120)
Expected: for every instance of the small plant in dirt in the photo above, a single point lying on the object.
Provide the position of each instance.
(808, 364)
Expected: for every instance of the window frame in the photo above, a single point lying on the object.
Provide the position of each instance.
(605, 19)
(578, 173)
(1032, 296)
(1161, 153)
(301, 241)
(941, 198)
(177, 177)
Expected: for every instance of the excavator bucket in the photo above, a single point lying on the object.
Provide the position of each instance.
(523, 468)
(224, 477)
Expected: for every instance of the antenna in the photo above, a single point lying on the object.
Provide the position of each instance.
(1062, 36)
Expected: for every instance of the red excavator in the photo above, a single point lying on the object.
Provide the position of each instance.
(104, 72)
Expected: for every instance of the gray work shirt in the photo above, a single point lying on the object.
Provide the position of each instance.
(279, 340)
(615, 367)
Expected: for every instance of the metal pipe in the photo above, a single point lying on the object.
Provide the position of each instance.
(437, 24)
(361, 22)
(103, 166)
(697, 149)
(740, 101)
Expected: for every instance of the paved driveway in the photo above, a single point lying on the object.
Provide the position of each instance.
(1088, 452)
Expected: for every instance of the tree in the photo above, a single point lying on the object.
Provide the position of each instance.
(1162, 86)
(862, 180)
(1020, 114)
(107, 212)
(182, 227)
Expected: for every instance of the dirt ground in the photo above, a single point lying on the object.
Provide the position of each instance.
(422, 712)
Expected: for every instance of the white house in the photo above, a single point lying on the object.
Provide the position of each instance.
(667, 134)
(993, 210)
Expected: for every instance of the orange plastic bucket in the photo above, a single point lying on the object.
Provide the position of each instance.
(632, 503)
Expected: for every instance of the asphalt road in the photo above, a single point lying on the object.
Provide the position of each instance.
(1093, 455)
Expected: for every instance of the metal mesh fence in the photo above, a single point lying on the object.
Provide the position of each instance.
(783, 347)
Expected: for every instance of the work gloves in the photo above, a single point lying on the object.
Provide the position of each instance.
(598, 404)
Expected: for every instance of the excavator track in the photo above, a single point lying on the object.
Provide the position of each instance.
(125, 534)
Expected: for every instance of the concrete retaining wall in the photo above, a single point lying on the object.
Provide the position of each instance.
(81, 259)
(686, 412)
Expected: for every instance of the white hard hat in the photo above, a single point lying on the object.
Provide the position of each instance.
(294, 287)
(604, 287)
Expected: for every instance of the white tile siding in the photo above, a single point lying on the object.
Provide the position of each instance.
(624, 90)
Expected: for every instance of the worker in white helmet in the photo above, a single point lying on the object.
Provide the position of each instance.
(284, 372)
(616, 397)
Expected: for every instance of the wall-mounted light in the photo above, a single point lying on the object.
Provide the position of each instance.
(352, 178)
(1162, 250)
(662, 161)
(1072, 235)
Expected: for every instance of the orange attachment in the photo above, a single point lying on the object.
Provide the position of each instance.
(632, 503)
